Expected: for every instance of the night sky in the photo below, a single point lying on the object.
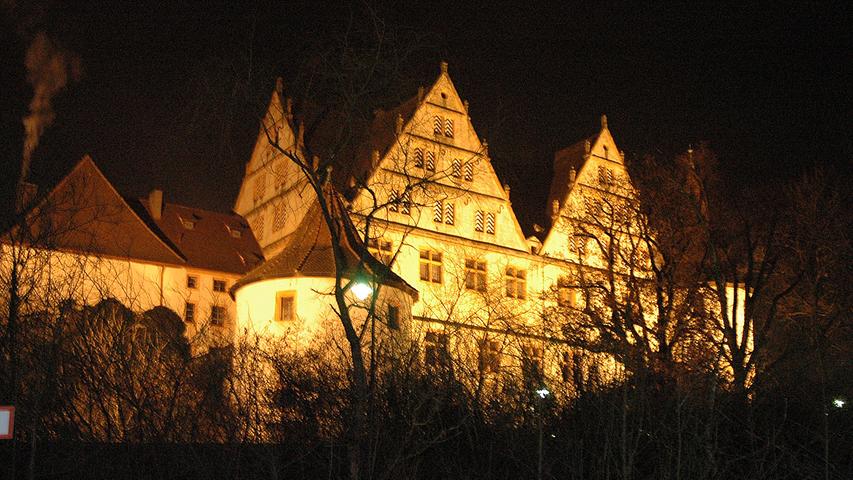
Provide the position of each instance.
(767, 88)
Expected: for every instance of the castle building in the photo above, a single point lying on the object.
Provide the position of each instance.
(417, 209)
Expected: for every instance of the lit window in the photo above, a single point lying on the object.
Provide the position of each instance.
(489, 357)
(393, 317)
(430, 266)
(192, 281)
(490, 223)
(381, 249)
(457, 168)
(217, 315)
(419, 158)
(278, 217)
(449, 213)
(475, 275)
(435, 350)
(437, 211)
(469, 172)
(516, 283)
(448, 128)
(285, 306)
(219, 285)
(436, 125)
(478, 221)
(189, 312)
(430, 161)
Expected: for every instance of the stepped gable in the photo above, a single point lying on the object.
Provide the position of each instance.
(84, 213)
(208, 240)
(310, 252)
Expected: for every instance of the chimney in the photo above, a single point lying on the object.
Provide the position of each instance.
(155, 204)
(25, 194)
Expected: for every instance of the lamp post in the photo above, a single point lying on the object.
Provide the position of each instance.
(542, 393)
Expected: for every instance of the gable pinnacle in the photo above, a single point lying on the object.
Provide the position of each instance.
(443, 66)
(399, 125)
(604, 122)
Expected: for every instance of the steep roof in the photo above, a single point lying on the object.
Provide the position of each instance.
(214, 241)
(566, 160)
(310, 252)
(84, 213)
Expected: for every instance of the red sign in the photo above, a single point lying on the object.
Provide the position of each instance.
(7, 423)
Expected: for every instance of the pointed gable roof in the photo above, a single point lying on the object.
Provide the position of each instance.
(310, 252)
(84, 213)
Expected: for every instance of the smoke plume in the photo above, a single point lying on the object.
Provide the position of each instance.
(49, 68)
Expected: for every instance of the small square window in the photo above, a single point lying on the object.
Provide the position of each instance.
(219, 285)
(192, 281)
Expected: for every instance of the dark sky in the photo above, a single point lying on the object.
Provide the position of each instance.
(766, 87)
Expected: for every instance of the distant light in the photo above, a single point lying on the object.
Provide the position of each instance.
(361, 290)
(838, 403)
(543, 392)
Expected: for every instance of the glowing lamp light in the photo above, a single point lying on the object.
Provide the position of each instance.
(361, 290)
(838, 403)
(543, 392)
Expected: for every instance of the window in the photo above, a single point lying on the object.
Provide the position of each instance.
(437, 211)
(217, 315)
(490, 223)
(393, 200)
(258, 225)
(278, 217)
(475, 275)
(448, 128)
(260, 188)
(571, 367)
(516, 283)
(393, 317)
(605, 175)
(407, 203)
(457, 168)
(435, 350)
(531, 363)
(381, 249)
(469, 172)
(436, 125)
(478, 221)
(285, 306)
(489, 357)
(430, 161)
(189, 312)
(219, 285)
(419, 158)
(448, 213)
(192, 281)
(430, 266)
(567, 296)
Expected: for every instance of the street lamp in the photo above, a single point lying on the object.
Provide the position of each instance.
(361, 289)
(542, 393)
